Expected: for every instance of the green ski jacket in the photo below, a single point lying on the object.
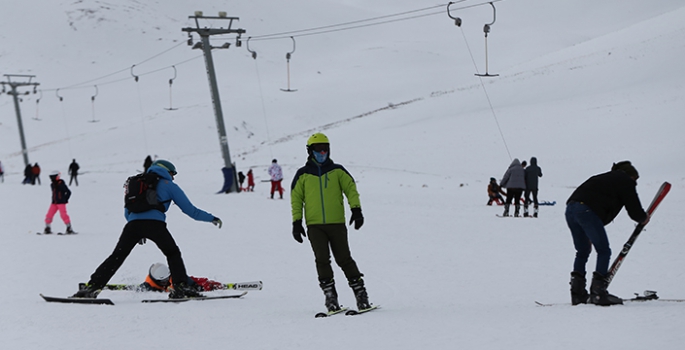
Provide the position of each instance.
(318, 189)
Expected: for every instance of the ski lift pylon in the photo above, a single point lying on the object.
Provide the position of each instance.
(247, 44)
(92, 102)
(134, 76)
(287, 58)
(486, 30)
(457, 20)
(171, 82)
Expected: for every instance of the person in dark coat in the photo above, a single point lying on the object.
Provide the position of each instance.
(60, 198)
(241, 180)
(35, 171)
(593, 205)
(28, 174)
(73, 172)
(533, 172)
(514, 180)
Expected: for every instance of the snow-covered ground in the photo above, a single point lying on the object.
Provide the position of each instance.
(581, 84)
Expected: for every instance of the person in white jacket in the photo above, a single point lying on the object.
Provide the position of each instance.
(276, 174)
(514, 180)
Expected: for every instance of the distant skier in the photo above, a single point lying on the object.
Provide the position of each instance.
(60, 198)
(35, 173)
(250, 181)
(28, 174)
(276, 174)
(151, 224)
(533, 172)
(514, 180)
(495, 192)
(2, 173)
(594, 204)
(241, 180)
(73, 172)
(317, 196)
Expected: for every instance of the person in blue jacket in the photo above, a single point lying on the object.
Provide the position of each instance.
(151, 225)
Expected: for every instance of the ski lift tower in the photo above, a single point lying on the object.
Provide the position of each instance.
(205, 33)
(13, 91)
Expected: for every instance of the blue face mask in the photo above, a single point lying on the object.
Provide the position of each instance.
(320, 157)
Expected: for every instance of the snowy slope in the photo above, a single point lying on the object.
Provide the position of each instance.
(581, 85)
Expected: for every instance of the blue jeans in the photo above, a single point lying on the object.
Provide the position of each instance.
(587, 230)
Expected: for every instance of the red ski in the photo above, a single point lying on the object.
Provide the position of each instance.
(663, 191)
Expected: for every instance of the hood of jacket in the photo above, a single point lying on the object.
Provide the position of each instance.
(163, 173)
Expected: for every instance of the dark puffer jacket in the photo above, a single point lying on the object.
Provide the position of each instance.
(60, 192)
(533, 172)
(607, 193)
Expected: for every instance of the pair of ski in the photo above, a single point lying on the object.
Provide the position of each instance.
(347, 311)
(649, 295)
(58, 233)
(103, 301)
(255, 285)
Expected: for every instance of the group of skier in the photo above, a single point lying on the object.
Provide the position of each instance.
(594, 204)
(319, 207)
(519, 179)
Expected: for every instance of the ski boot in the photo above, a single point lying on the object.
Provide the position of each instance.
(70, 231)
(599, 294)
(579, 294)
(506, 210)
(535, 212)
(47, 230)
(331, 302)
(182, 291)
(525, 211)
(517, 208)
(360, 294)
(87, 290)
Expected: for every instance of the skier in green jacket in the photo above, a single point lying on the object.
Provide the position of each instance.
(317, 196)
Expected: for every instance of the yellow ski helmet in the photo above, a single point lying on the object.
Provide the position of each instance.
(317, 138)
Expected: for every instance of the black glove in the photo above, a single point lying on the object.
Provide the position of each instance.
(217, 222)
(357, 218)
(142, 241)
(298, 230)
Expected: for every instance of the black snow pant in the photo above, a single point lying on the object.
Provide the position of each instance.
(332, 238)
(133, 232)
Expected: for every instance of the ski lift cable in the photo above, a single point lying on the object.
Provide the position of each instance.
(480, 78)
(347, 23)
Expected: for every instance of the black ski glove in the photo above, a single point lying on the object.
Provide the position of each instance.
(298, 230)
(217, 222)
(357, 218)
(142, 241)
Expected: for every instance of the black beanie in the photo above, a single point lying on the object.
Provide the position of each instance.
(627, 168)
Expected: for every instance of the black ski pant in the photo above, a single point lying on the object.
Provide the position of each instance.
(73, 178)
(329, 238)
(535, 197)
(133, 232)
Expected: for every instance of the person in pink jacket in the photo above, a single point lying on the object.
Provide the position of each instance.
(60, 198)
